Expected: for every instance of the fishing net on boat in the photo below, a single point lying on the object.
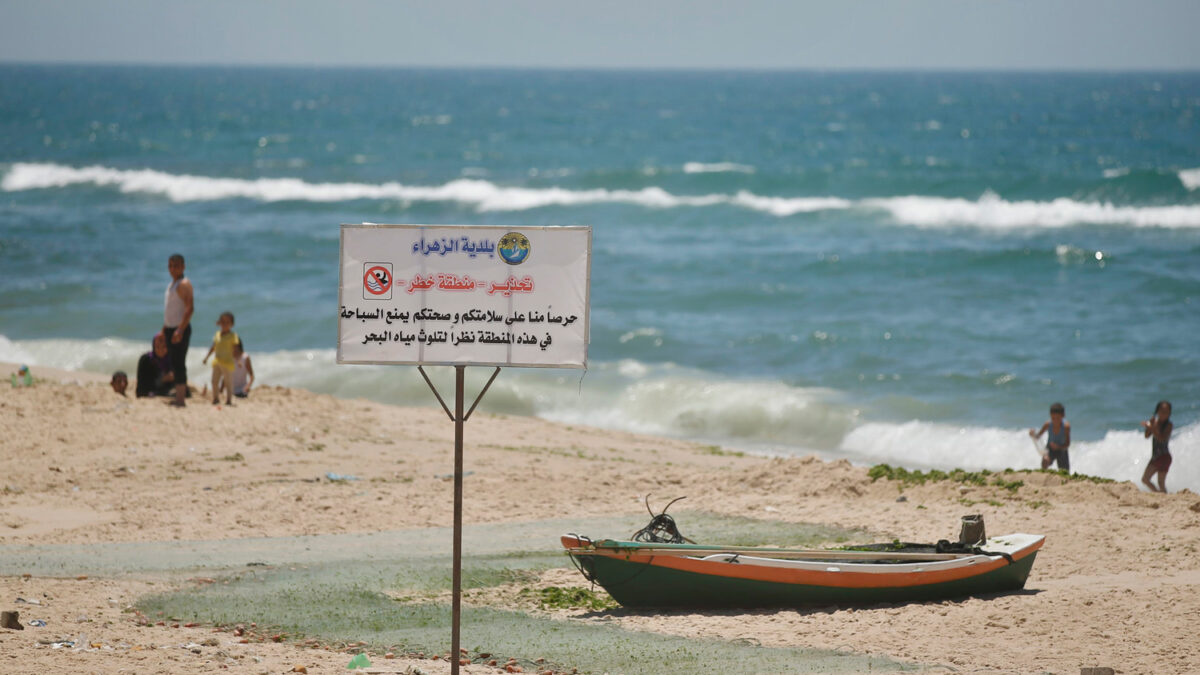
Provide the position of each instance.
(662, 528)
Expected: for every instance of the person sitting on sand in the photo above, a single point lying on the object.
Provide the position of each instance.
(22, 378)
(223, 363)
(154, 374)
(119, 382)
(1058, 440)
(1159, 428)
(243, 370)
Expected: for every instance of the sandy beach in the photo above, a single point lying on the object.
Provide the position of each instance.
(1117, 583)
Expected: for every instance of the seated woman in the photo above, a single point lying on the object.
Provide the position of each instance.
(154, 375)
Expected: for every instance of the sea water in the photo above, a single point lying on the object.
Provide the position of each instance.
(890, 267)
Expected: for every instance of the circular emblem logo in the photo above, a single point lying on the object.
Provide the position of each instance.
(514, 248)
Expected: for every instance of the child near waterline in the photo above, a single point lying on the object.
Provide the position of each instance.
(243, 372)
(1159, 428)
(1057, 440)
(223, 361)
(22, 378)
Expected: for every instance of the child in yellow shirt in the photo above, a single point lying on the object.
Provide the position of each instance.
(223, 361)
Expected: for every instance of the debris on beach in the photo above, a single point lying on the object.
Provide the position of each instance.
(9, 620)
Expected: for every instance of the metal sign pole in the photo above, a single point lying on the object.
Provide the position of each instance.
(459, 420)
(455, 655)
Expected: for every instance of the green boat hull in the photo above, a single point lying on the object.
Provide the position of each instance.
(636, 584)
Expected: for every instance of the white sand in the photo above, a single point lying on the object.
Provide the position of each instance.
(1117, 584)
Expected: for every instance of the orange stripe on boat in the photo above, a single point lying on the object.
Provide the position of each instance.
(839, 579)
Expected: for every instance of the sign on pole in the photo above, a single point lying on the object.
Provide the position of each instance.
(464, 295)
(458, 295)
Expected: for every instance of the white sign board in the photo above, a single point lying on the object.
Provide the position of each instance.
(464, 295)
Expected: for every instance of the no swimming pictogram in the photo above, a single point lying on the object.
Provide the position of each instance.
(377, 281)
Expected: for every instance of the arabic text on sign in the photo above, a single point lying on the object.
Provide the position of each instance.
(430, 338)
(475, 315)
(454, 282)
(447, 245)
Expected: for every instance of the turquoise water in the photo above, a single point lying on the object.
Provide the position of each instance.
(888, 267)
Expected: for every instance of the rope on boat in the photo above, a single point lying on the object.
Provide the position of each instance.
(578, 565)
(662, 528)
(586, 572)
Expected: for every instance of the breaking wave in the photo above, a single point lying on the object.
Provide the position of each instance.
(1190, 178)
(761, 416)
(717, 167)
(988, 211)
(1120, 455)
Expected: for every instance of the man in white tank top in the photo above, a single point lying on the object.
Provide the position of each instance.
(178, 307)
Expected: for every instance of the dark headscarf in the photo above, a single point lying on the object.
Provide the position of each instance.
(163, 363)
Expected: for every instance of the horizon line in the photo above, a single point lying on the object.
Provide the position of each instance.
(1090, 70)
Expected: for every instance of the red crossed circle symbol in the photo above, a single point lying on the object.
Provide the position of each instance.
(383, 287)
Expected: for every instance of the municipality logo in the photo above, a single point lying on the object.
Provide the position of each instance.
(514, 248)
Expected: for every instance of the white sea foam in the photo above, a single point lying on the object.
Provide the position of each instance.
(1190, 178)
(481, 194)
(787, 206)
(653, 334)
(100, 356)
(628, 395)
(1120, 455)
(717, 167)
(989, 211)
(674, 401)
(757, 415)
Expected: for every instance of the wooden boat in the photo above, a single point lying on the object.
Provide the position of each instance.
(641, 574)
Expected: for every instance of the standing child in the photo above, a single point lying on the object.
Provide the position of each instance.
(1058, 439)
(1159, 428)
(223, 363)
(243, 371)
